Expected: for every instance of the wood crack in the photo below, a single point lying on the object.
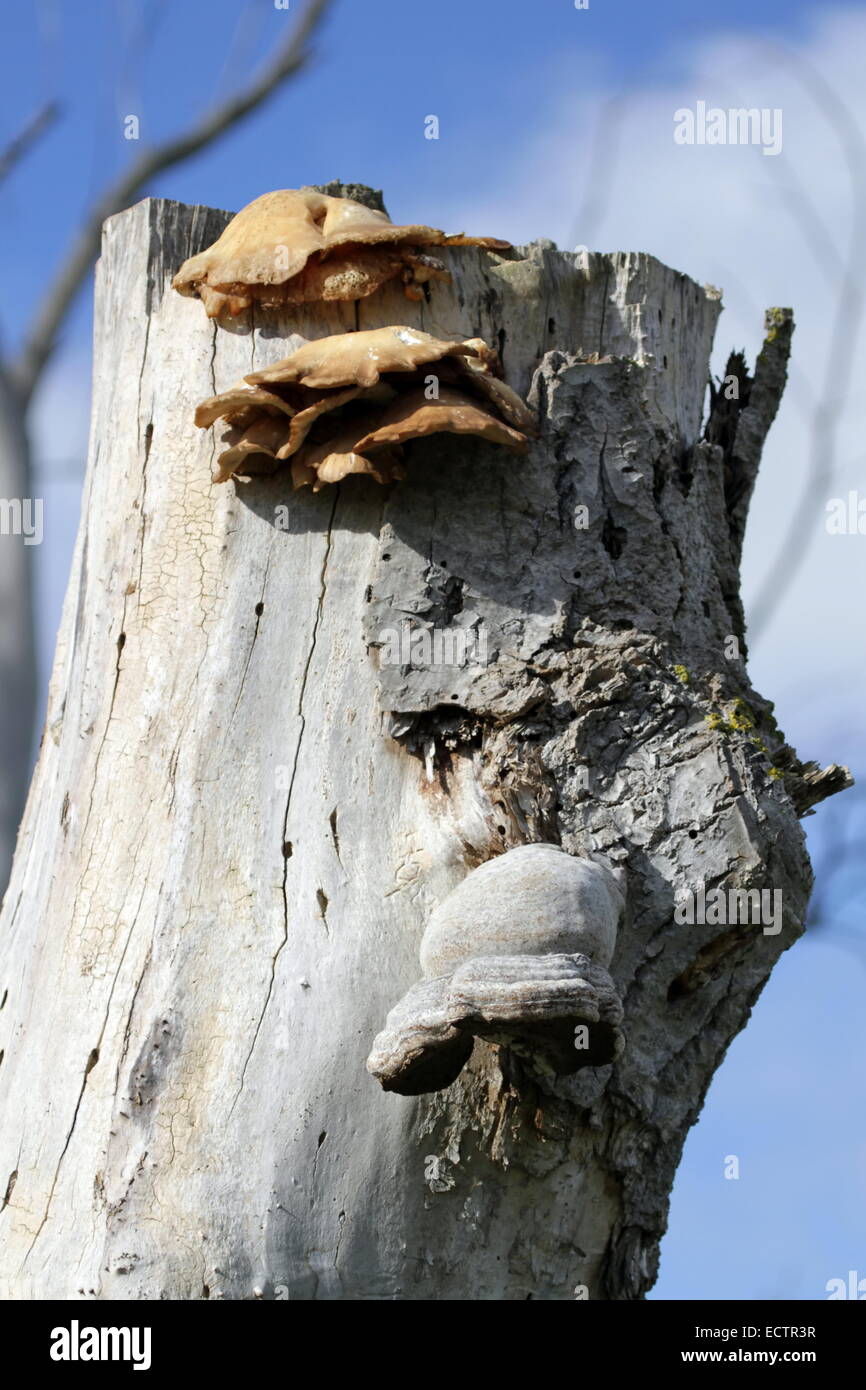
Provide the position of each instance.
(323, 582)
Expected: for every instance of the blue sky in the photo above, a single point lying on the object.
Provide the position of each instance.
(489, 69)
(522, 92)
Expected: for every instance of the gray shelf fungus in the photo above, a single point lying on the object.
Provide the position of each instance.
(517, 954)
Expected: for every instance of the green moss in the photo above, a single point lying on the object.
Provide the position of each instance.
(682, 674)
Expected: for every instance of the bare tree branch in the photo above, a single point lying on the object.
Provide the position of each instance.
(27, 137)
(840, 851)
(603, 157)
(826, 402)
(292, 56)
(840, 358)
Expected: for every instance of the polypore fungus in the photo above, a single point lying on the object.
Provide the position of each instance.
(359, 359)
(340, 455)
(412, 416)
(295, 246)
(517, 954)
(348, 403)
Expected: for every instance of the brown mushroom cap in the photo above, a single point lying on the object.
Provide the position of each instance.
(347, 222)
(335, 458)
(359, 358)
(271, 241)
(242, 405)
(303, 422)
(384, 466)
(264, 436)
(283, 412)
(511, 407)
(266, 243)
(351, 274)
(412, 416)
(232, 404)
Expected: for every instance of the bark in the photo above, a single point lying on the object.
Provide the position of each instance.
(242, 816)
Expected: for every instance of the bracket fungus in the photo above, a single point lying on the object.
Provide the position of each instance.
(360, 358)
(517, 954)
(296, 246)
(348, 403)
(412, 416)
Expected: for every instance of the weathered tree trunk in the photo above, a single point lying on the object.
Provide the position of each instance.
(242, 817)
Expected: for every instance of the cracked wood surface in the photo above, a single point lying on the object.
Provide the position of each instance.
(227, 863)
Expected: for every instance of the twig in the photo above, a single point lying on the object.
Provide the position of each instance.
(840, 359)
(27, 137)
(42, 338)
(603, 155)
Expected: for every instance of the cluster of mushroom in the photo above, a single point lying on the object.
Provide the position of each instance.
(347, 403)
(297, 246)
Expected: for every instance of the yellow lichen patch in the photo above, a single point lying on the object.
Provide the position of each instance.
(738, 718)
